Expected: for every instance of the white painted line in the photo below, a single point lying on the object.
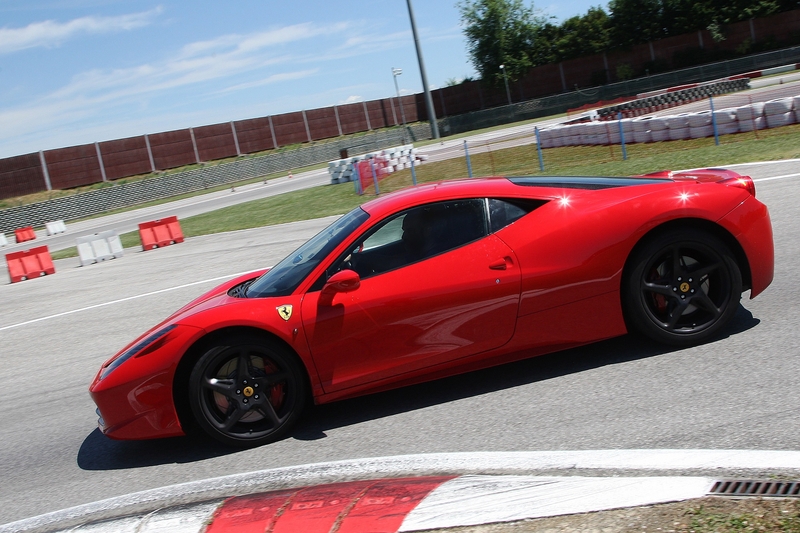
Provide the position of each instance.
(778, 177)
(761, 163)
(121, 300)
(474, 500)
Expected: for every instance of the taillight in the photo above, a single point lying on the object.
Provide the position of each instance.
(743, 182)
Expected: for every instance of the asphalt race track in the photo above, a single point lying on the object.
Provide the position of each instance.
(739, 392)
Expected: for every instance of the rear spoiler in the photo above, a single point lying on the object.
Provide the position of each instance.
(708, 175)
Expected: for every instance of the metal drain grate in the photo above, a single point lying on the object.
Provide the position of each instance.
(764, 489)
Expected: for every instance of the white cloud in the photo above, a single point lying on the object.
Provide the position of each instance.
(51, 33)
(228, 61)
(351, 100)
(275, 78)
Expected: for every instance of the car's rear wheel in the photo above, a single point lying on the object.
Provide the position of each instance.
(682, 287)
(247, 391)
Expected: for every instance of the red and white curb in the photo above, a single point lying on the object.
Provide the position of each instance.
(406, 505)
(411, 493)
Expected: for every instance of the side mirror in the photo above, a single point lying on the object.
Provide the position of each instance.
(342, 281)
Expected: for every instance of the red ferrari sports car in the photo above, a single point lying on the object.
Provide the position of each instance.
(441, 279)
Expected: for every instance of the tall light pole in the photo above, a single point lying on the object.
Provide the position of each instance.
(505, 79)
(428, 99)
(396, 72)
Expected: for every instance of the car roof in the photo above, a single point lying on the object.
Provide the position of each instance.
(539, 187)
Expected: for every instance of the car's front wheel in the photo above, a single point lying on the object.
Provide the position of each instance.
(682, 287)
(247, 391)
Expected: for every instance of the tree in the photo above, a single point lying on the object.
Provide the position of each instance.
(500, 32)
(583, 35)
(635, 21)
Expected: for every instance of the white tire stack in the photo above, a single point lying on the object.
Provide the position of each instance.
(726, 121)
(678, 126)
(751, 117)
(641, 129)
(573, 135)
(546, 138)
(659, 130)
(797, 109)
(600, 133)
(779, 112)
(700, 125)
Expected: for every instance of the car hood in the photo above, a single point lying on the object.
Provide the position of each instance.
(213, 298)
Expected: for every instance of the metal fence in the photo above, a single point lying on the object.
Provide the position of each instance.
(562, 103)
(128, 194)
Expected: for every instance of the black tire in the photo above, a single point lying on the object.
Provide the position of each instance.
(247, 391)
(681, 288)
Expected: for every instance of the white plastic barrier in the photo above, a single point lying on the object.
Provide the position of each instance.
(99, 247)
(3, 240)
(57, 226)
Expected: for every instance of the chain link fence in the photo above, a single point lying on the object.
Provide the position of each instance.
(120, 195)
(561, 103)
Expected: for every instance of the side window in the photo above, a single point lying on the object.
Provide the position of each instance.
(504, 212)
(415, 235)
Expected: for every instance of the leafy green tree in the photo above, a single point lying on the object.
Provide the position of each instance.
(583, 35)
(500, 32)
(635, 21)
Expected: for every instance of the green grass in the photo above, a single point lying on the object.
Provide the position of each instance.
(766, 145)
(779, 517)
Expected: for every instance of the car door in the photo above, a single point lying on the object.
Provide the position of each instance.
(426, 296)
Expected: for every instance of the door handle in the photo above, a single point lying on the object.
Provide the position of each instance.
(500, 264)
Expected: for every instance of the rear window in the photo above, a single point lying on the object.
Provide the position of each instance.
(503, 212)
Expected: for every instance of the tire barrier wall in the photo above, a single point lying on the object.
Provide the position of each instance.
(120, 195)
(160, 233)
(743, 118)
(673, 98)
(28, 264)
(24, 234)
(397, 158)
(99, 247)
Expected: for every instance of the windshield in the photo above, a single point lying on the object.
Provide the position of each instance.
(284, 277)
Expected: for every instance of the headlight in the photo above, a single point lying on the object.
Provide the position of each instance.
(143, 347)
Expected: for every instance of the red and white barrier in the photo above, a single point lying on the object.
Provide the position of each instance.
(28, 264)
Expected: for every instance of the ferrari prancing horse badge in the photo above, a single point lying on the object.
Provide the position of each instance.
(285, 311)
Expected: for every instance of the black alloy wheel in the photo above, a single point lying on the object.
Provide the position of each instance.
(247, 391)
(683, 287)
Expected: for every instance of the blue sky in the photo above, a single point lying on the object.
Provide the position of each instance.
(80, 71)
